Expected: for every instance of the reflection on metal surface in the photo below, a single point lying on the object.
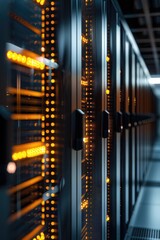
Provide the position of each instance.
(24, 92)
(35, 231)
(25, 23)
(25, 185)
(25, 210)
(50, 193)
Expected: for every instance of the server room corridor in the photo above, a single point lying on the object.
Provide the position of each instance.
(79, 120)
(145, 221)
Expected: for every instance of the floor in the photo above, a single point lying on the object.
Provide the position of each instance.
(145, 222)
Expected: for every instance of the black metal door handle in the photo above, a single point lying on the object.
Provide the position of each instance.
(105, 124)
(78, 129)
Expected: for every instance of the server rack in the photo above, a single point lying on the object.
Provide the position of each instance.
(94, 105)
(132, 129)
(125, 133)
(114, 94)
(68, 49)
(132, 156)
(24, 91)
(75, 177)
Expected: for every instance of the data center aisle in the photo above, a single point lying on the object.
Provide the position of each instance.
(145, 221)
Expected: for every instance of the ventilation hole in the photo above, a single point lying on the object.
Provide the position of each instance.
(136, 233)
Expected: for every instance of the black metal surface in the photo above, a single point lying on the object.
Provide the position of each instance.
(105, 124)
(78, 129)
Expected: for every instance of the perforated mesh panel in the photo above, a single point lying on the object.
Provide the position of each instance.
(142, 233)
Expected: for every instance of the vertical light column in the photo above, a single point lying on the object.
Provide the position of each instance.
(43, 117)
(88, 106)
(49, 214)
(109, 142)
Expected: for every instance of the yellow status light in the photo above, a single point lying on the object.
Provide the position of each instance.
(84, 40)
(41, 2)
(107, 59)
(24, 60)
(28, 153)
(85, 139)
(42, 49)
(84, 204)
(41, 236)
(84, 83)
(107, 218)
(107, 91)
(107, 180)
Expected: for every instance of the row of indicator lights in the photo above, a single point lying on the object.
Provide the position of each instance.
(44, 160)
(24, 60)
(107, 90)
(33, 152)
(107, 179)
(107, 217)
(48, 131)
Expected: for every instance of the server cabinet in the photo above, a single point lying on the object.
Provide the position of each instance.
(125, 133)
(29, 188)
(94, 152)
(114, 89)
(71, 79)
(132, 129)
(137, 132)
(65, 131)
(25, 99)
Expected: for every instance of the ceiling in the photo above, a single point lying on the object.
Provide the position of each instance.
(143, 18)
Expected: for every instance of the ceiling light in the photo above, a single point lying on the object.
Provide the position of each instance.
(155, 80)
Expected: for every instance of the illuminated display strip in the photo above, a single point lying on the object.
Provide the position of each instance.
(28, 150)
(19, 116)
(24, 60)
(27, 58)
(33, 233)
(25, 92)
(23, 185)
(25, 210)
